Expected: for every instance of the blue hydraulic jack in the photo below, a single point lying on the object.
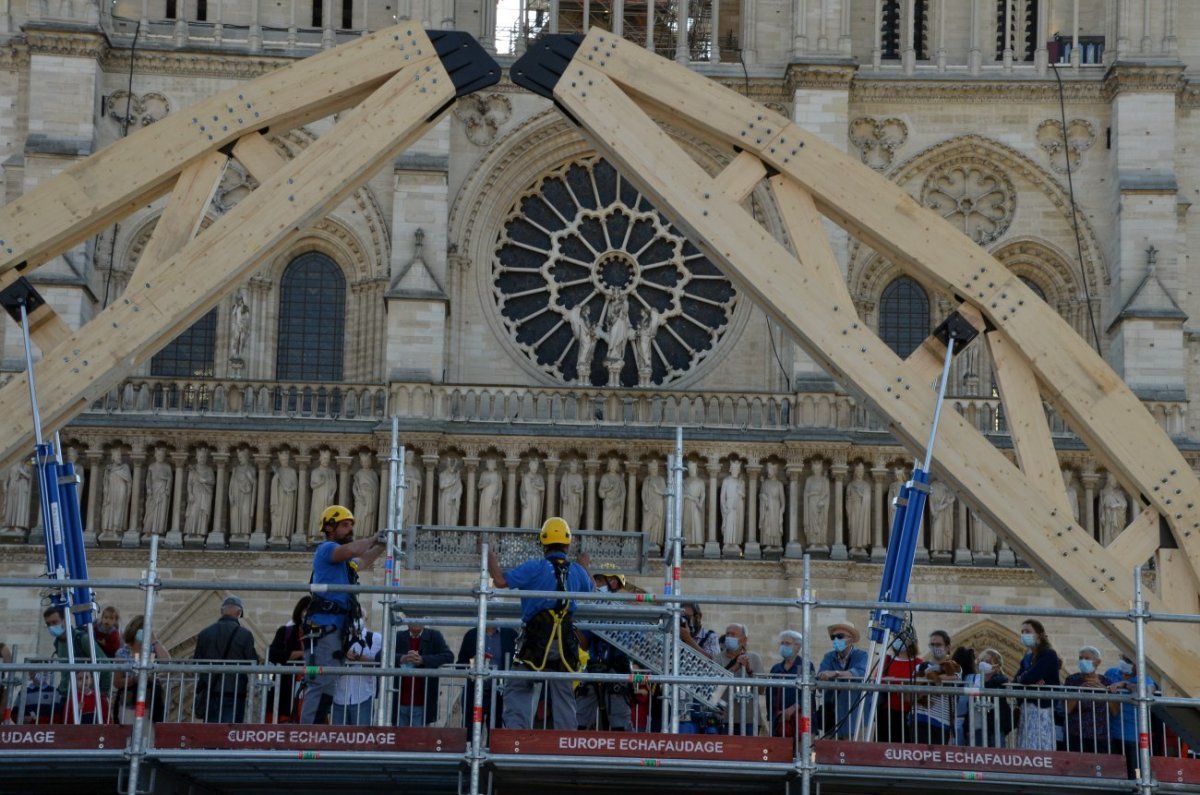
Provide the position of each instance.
(955, 332)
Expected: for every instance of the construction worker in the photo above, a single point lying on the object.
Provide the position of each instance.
(330, 614)
(548, 640)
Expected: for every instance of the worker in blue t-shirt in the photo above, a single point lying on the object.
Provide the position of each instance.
(548, 641)
(336, 562)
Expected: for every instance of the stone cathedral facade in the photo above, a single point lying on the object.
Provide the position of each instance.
(540, 327)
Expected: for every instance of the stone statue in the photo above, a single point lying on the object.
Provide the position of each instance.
(450, 489)
(585, 339)
(619, 332)
(491, 489)
(114, 510)
(733, 505)
(1114, 510)
(612, 497)
(654, 505)
(570, 495)
(239, 326)
(983, 537)
(941, 517)
(412, 489)
(285, 483)
(159, 477)
(858, 510)
(201, 480)
(533, 495)
(771, 502)
(1072, 493)
(242, 484)
(816, 506)
(899, 476)
(17, 488)
(365, 488)
(693, 506)
(322, 485)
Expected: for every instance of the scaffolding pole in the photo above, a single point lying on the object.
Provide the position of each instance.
(397, 486)
(137, 742)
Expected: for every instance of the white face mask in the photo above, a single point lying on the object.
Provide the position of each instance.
(985, 668)
(603, 589)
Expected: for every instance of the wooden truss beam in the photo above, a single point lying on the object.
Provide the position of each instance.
(618, 93)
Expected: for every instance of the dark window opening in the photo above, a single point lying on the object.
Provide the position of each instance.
(201, 10)
(347, 14)
(191, 354)
(318, 13)
(904, 316)
(312, 320)
(172, 9)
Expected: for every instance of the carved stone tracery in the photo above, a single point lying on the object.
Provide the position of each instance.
(973, 195)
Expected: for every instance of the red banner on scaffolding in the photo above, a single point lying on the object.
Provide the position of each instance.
(986, 760)
(285, 737)
(1175, 770)
(707, 747)
(103, 737)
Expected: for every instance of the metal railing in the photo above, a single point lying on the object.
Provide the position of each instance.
(962, 722)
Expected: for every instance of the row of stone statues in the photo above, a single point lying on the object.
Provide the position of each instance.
(759, 511)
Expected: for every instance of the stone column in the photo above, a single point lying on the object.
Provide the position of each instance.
(1089, 479)
(590, 467)
(384, 518)
(962, 546)
(712, 548)
(300, 534)
(837, 550)
(255, 37)
(632, 518)
(133, 534)
(343, 463)
(552, 486)
(794, 548)
(94, 456)
(174, 538)
(216, 537)
(753, 550)
(511, 496)
(470, 463)
(258, 535)
(879, 474)
(430, 495)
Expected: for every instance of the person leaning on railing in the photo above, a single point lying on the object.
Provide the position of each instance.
(1039, 668)
(784, 702)
(933, 714)
(83, 641)
(846, 664)
(1087, 721)
(1124, 678)
(993, 712)
(125, 682)
(899, 668)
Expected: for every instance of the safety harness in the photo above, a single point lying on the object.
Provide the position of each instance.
(549, 636)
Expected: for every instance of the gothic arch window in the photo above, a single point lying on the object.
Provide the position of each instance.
(191, 354)
(892, 34)
(1032, 285)
(312, 320)
(903, 315)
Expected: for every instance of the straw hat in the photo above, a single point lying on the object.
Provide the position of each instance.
(847, 628)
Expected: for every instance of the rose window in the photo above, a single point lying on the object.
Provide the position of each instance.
(973, 197)
(598, 288)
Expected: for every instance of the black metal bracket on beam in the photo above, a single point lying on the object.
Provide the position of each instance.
(20, 293)
(545, 62)
(465, 60)
(958, 327)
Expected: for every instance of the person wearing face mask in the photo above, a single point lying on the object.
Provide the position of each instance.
(843, 663)
(1087, 721)
(125, 682)
(693, 633)
(1124, 681)
(1039, 668)
(742, 663)
(933, 715)
(993, 715)
(899, 668)
(784, 702)
(605, 705)
(972, 679)
(83, 641)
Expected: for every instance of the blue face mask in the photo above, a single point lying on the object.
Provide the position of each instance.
(839, 645)
(137, 636)
(1087, 667)
(786, 651)
(57, 630)
(1028, 639)
(732, 643)
(1126, 668)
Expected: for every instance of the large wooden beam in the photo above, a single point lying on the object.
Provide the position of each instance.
(184, 213)
(830, 329)
(179, 290)
(1076, 382)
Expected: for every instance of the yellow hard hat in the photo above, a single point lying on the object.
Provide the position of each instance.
(336, 513)
(555, 531)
